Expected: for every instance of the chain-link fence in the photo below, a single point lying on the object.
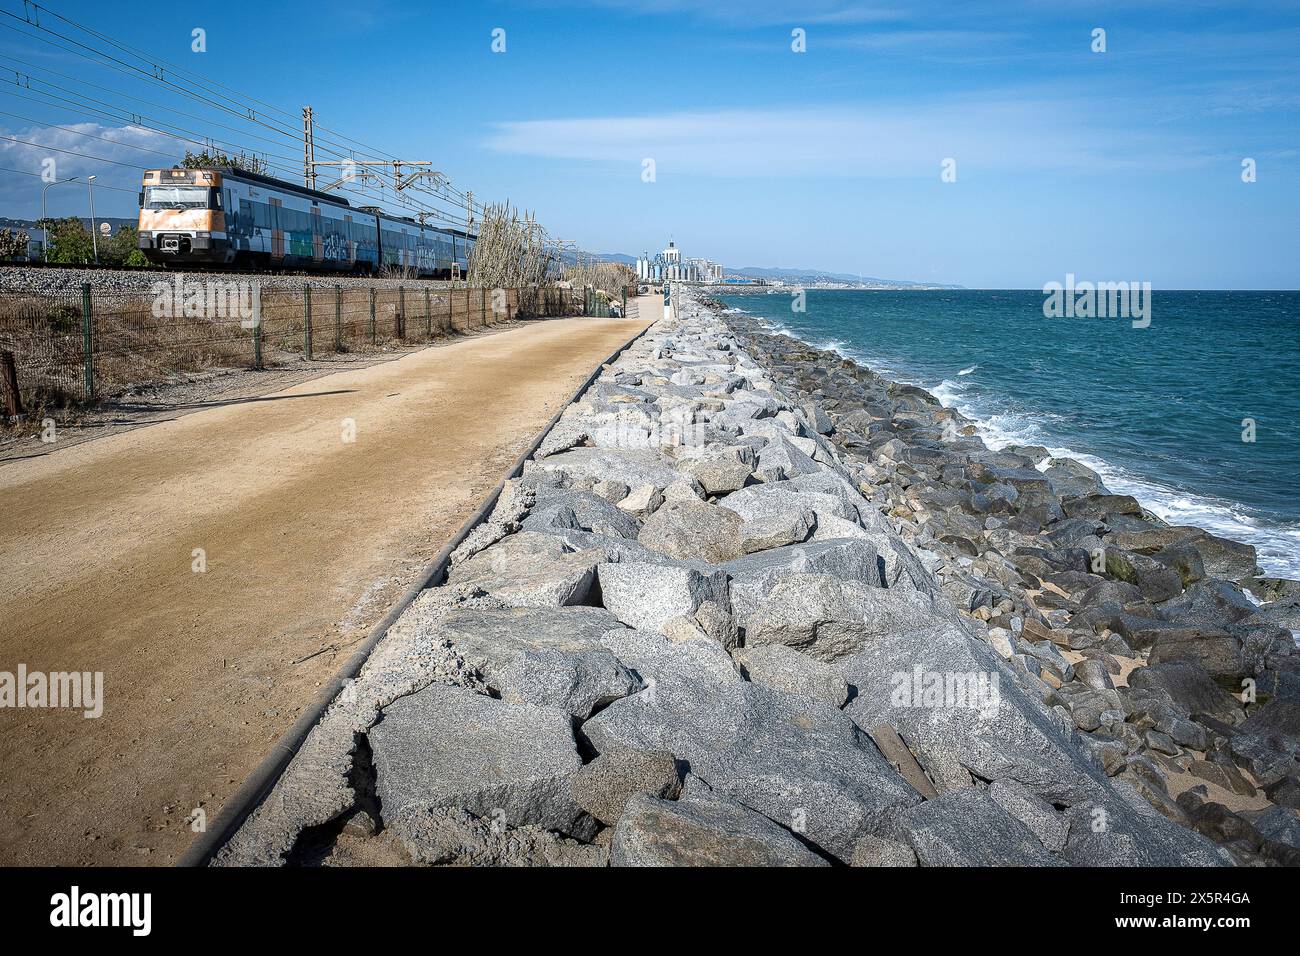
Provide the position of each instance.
(83, 345)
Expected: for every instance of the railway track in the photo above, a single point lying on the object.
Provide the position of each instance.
(222, 269)
(65, 279)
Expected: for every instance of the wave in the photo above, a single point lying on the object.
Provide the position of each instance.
(967, 371)
(948, 392)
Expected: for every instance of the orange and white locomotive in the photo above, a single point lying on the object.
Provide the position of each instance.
(224, 217)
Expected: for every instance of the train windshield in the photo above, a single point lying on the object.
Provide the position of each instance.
(176, 197)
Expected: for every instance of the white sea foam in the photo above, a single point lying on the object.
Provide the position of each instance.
(967, 371)
(948, 392)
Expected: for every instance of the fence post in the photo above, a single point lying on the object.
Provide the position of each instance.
(9, 376)
(374, 333)
(482, 306)
(338, 318)
(428, 316)
(87, 340)
(401, 312)
(257, 325)
(306, 322)
(450, 310)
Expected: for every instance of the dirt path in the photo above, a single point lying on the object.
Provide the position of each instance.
(307, 539)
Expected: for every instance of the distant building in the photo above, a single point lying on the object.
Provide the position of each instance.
(671, 266)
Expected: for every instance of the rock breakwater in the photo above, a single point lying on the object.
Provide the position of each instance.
(751, 604)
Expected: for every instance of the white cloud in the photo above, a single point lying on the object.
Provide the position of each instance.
(71, 149)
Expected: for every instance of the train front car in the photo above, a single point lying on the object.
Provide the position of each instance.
(191, 217)
(181, 219)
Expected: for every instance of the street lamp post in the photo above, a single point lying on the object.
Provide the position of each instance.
(44, 219)
(94, 230)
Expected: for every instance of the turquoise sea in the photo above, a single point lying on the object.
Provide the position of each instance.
(1159, 411)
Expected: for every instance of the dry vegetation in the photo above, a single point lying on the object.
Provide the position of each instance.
(612, 278)
(134, 346)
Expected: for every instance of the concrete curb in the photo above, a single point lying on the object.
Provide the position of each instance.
(265, 775)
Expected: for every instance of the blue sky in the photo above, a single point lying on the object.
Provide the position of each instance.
(1117, 165)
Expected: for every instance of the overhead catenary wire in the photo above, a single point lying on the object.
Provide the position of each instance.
(360, 191)
(28, 172)
(329, 147)
(445, 202)
(288, 133)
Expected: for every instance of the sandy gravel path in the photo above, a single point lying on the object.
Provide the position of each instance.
(307, 538)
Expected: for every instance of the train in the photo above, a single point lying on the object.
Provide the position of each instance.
(237, 219)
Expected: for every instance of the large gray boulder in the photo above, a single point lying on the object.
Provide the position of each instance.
(655, 659)
(780, 459)
(827, 481)
(692, 530)
(529, 569)
(901, 566)
(631, 466)
(1115, 831)
(1224, 558)
(830, 618)
(798, 761)
(603, 787)
(1268, 741)
(723, 470)
(451, 747)
(776, 531)
(1227, 655)
(491, 639)
(754, 576)
(1070, 478)
(1281, 825)
(580, 511)
(962, 712)
(1208, 604)
(688, 832)
(1041, 818)
(819, 421)
(967, 827)
(791, 672)
(576, 683)
(654, 596)
(1189, 689)
(784, 498)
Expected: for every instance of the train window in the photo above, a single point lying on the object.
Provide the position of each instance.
(177, 197)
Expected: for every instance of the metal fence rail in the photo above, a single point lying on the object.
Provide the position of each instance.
(84, 345)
